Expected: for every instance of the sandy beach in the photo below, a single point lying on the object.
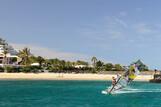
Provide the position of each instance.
(62, 76)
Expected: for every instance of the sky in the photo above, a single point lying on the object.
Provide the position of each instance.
(116, 31)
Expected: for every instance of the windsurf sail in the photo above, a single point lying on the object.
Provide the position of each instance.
(123, 80)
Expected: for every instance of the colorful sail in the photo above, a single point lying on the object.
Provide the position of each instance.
(123, 80)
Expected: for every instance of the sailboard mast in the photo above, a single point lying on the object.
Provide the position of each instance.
(123, 80)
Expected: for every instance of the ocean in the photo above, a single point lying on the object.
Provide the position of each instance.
(38, 93)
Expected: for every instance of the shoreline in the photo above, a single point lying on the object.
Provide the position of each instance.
(64, 76)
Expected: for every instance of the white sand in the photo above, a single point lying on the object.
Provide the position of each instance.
(62, 76)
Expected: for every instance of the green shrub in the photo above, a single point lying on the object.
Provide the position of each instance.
(11, 69)
(28, 69)
(1, 69)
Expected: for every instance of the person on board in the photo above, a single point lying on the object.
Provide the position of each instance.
(113, 80)
(133, 72)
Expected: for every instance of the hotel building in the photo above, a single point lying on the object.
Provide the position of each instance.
(11, 56)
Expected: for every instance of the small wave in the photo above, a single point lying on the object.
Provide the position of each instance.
(130, 90)
(133, 90)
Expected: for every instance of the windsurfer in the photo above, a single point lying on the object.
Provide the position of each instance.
(121, 81)
(133, 72)
(113, 80)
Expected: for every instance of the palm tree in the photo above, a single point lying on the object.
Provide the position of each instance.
(94, 60)
(40, 60)
(5, 52)
(3, 42)
(25, 56)
(33, 59)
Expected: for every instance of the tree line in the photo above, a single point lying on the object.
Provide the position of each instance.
(55, 64)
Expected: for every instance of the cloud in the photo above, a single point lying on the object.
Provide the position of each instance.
(145, 28)
(109, 28)
(116, 27)
(115, 34)
(122, 31)
(102, 34)
(50, 53)
(114, 21)
(123, 13)
(121, 22)
(139, 9)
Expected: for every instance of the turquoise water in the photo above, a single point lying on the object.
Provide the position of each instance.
(76, 94)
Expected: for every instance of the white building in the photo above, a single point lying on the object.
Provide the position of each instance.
(11, 56)
(35, 64)
(80, 66)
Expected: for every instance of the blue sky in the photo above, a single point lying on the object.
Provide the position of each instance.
(118, 31)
